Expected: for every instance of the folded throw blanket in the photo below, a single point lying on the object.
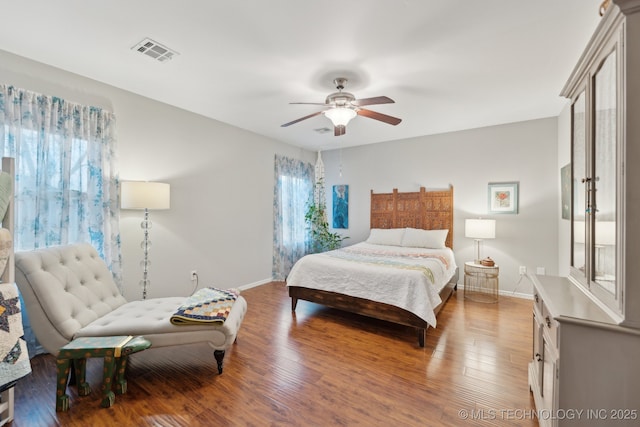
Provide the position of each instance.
(207, 305)
(14, 358)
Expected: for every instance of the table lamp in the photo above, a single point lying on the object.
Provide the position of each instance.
(479, 229)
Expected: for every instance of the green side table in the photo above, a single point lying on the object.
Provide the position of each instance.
(115, 351)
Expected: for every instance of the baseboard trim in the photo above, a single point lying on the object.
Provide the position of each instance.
(254, 284)
(505, 293)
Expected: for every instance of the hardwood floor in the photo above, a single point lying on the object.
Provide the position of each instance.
(317, 367)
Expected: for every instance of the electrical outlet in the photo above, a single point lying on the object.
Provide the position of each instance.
(194, 275)
(523, 270)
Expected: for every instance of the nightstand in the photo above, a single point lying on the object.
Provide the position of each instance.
(480, 282)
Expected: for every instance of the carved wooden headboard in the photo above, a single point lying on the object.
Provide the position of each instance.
(428, 210)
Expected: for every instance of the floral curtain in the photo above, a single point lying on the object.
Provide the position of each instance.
(292, 193)
(66, 182)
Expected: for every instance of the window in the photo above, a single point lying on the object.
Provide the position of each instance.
(66, 187)
(44, 191)
(292, 194)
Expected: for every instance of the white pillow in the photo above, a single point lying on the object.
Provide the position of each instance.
(416, 238)
(386, 236)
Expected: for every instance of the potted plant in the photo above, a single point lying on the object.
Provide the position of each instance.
(322, 239)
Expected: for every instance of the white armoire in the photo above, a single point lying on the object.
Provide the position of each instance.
(585, 367)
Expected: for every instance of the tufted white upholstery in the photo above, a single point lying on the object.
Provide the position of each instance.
(69, 292)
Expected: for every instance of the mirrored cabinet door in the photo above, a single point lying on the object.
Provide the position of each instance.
(595, 174)
(579, 187)
(604, 176)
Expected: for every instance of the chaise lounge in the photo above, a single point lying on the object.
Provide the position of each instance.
(69, 292)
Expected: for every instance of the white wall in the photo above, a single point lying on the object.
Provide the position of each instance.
(526, 152)
(220, 221)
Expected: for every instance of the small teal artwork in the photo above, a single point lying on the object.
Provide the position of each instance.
(340, 206)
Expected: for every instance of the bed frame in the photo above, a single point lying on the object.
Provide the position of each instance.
(429, 210)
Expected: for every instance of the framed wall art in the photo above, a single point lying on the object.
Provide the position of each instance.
(340, 206)
(503, 197)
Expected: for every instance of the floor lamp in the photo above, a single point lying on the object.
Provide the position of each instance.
(147, 196)
(479, 229)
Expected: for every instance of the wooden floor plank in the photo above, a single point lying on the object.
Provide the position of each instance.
(316, 367)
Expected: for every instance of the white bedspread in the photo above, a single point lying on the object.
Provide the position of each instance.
(409, 278)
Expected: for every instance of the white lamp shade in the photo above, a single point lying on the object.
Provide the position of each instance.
(145, 195)
(480, 228)
(605, 232)
(340, 116)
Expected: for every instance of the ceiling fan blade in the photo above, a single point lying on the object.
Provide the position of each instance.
(372, 101)
(339, 130)
(300, 119)
(379, 116)
(309, 103)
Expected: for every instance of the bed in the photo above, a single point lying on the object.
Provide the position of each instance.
(403, 273)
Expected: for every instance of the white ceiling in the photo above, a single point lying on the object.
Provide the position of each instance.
(448, 64)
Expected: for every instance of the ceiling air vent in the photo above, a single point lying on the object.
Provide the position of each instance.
(155, 50)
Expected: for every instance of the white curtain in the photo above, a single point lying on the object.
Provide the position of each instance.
(292, 193)
(66, 182)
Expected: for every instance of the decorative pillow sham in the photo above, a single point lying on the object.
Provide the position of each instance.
(386, 236)
(416, 238)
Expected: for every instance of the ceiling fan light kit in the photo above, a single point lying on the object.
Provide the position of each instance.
(340, 116)
(343, 107)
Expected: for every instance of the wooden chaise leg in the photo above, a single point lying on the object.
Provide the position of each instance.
(219, 355)
(422, 333)
(294, 303)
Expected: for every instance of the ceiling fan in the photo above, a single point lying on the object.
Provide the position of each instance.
(343, 106)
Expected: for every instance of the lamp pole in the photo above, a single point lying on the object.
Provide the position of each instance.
(146, 196)
(146, 244)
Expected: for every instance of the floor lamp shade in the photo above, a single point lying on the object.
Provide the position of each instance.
(145, 195)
